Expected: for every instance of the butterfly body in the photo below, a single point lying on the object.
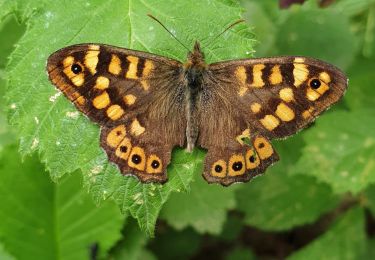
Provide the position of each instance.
(146, 105)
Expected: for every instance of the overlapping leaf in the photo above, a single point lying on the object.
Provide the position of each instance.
(43, 220)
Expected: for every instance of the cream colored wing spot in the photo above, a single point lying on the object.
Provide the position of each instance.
(123, 149)
(115, 65)
(270, 122)
(263, 147)
(300, 74)
(314, 94)
(276, 77)
(101, 83)
(149, 66)
(308, 113)
(299, 60)
(78, 98)
(236, 165)
(154, 164)
(284, 112)
(241, 76)
(94, 47)
(145, 85)
(129, 99)
(76, 79)
(116, 135)
(101, 101)
(137, 158)
(257, 76)
(245, 134)
(136, 128)
(219, 169)
(115, 112)
(286, 94)
(91, 61)
(255, 107)
(132, 70)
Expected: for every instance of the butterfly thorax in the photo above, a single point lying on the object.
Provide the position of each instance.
(194, 70)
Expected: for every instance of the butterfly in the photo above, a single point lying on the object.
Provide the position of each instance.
(147, 104)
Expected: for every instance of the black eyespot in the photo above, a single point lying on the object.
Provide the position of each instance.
(261, 145)
(315, 83)
(218, 168)
(123, 149)
(237, 166)
(76, 68)
(252, 159)
(136, 159)
(118, 133)
(155, 164)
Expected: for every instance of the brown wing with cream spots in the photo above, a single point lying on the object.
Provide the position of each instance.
(134, 96)
(257, 100)
(281, 95)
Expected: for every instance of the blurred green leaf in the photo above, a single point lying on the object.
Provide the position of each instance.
(320, 33)
(278, 201)
(204, 207)
(361, 84)
(352, 8)
(346, 239)
(67, 140)
(171, 244)
(240, 253)
(131, 247)
(340, 150)
(4, 255)
(50, 221)
(369, 195)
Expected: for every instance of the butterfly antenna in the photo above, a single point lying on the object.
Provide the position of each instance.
(226, 29)
(157, 20)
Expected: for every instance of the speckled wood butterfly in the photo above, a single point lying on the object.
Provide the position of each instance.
(146, 104)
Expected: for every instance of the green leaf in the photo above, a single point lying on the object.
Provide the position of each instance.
(10, 31)
(240, 253)
(312, 31)
(4, 255)
(171, 244)
(346, 239)
(361, 87)
(57, 221)
(340, 150)
(369, 196)
(67, 140)
(278, 201)
(131, 247)
(204, 207)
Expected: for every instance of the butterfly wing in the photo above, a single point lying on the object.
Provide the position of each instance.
(135, 97)
(253, 101)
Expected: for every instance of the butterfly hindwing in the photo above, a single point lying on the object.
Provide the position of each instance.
(261, 99)
(123, 90)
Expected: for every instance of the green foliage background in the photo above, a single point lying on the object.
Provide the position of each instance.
(318, 202)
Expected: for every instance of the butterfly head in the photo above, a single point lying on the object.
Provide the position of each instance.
(195, 58)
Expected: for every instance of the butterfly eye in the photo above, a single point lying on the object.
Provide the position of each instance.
(315, 83)
(237, 166)
(155, 164)
(123, 149)
(252, 159)
(76, 68)
(218, 168)
(136, 159)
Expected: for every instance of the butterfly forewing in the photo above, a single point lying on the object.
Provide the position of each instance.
(123, 90)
